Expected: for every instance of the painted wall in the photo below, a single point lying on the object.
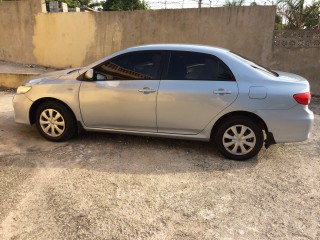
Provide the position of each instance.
(66, 42)
(76, 39)
(17, 21)
(14, 80)
(301, 61)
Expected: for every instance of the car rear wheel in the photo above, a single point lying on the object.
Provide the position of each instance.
(55, 121)
(239, 138)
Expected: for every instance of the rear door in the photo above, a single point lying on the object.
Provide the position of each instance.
(194, 90)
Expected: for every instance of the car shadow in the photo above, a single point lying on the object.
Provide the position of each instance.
(118, 153)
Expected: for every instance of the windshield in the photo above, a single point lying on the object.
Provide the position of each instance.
(255, 65)
(74, 70)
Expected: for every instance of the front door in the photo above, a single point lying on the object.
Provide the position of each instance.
(123, 93)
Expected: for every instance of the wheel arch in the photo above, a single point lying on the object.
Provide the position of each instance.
(37, 103)
(250, 115)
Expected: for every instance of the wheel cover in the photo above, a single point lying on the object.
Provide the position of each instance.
(52, 123)
(239, 140)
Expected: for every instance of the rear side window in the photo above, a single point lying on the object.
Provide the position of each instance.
(131, 66)
(255, 65)
(197, 66)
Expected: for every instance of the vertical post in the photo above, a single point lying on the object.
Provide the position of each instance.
(319, 19)
(199, 3)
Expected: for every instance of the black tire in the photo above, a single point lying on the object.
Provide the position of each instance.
(250, 146)
(60, 129)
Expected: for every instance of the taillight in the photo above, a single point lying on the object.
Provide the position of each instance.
(302, 98)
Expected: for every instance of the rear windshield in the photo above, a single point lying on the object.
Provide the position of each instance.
(255, 65)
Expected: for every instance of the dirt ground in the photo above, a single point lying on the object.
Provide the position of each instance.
(109, 186)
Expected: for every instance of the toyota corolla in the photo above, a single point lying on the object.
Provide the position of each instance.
(177, 91)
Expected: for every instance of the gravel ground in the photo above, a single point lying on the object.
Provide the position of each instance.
(108, 186)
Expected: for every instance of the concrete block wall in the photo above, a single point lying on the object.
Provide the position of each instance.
(76, 9)
(54, 6)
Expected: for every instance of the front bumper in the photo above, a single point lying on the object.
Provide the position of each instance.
(21, 105)
(292, 125)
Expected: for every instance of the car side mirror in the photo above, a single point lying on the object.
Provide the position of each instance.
(89, 74)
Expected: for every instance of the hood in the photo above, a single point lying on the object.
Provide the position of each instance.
(52, 75)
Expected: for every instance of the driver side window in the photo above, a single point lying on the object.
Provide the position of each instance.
(131, 66)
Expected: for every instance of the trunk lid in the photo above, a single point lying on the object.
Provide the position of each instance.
(290, 77)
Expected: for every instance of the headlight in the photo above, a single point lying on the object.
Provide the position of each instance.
(23, 89)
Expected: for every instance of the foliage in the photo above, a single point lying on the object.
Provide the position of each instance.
(278, 22)
(234, 3)
(313, 19)
(73, 3)
(254, 4)
(96, 4)
(298, 14)
(124, 5)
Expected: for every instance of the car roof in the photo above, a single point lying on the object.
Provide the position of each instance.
(166, 47)
(178, 47)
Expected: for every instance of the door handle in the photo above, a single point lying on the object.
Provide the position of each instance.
(221, 91)
(147, 90)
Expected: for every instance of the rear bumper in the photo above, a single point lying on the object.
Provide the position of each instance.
(292, 125)
(21, 105)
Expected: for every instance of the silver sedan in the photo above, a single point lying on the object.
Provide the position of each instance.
(177, 91)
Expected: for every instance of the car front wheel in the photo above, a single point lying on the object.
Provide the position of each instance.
(55, 122)
(239, 138)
